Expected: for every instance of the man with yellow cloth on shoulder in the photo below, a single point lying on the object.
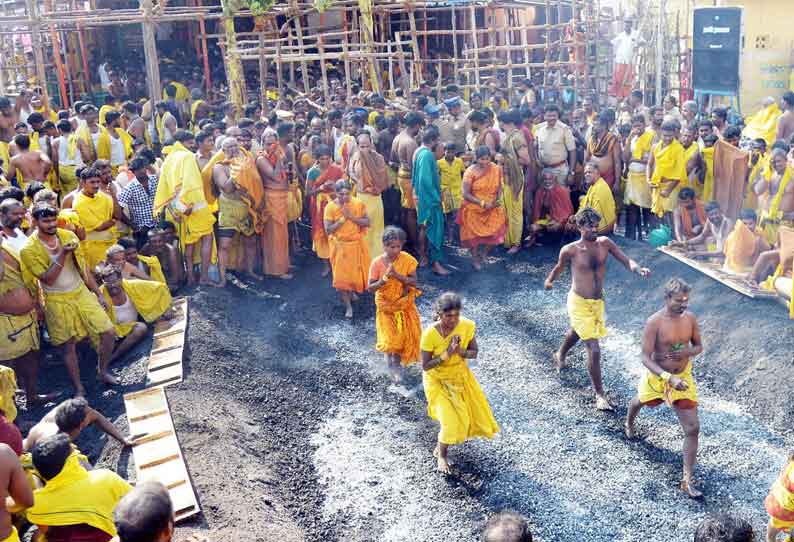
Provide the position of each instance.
(73, 306)
(775, 191)
(88, 134)
(75, 503)
(114, 143)
(95, 210)
(180, 193)
(367, 170)
(68, 157)
(199, 109)
(129, 300)
(599, 198)
(666, 174)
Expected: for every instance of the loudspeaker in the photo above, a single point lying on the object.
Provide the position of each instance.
(717, 45)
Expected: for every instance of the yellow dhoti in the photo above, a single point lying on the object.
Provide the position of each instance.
(74, 315)
(637, 190)
(660, 204)
(18, 335)
(514, 208)
(95, 251)
(407, 199)
(233, 217)
(275, 238)
(374, 235)
(588, 316)
(653, 390)
(294, 202)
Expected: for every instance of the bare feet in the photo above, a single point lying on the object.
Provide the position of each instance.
(688, 487)
(326, 270)
(439, 269)
(254, 276)
(109, 379)
(603, 404)
(476, 265)
(443, 464)
(559, 362)
(423, 261)
(285, 276)
(629, 430)
(208, 282)
(354, 296)
(349, 312)
(42, 398)
(514, 249)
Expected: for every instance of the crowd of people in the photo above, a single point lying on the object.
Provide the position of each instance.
(107, 211)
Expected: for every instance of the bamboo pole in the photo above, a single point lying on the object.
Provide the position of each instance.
(548, 49)
(235, 76)
(150, 56)
(417, 67)
(454, 24)
(304, 66)
(509, 43)
(279, 73)
(262, 73)
(205, 56)
(346, 57)
(38, 53)
(323, 69)
(84, 56)
(473, 15)
(524, 44)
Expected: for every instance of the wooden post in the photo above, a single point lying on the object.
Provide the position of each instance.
(323, 69)
(509, 41)
(404, 80)
(299, 31)
(546, 52)
(415, 44)
(38, 54)
(454, 22)
(262, 72)
(279, 70)
(56, 55)
(473, 14)
(89, 90)
(205, 56)
(150, 55)
(346, 56)
(391, 66)
(525, 51)
(291, 64)
(235, 76)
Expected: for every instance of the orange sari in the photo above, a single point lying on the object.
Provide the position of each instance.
(479, 226)
(397, 323)
(317, 205)
(349, 254)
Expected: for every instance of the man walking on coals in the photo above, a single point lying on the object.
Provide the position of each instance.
(586, 310)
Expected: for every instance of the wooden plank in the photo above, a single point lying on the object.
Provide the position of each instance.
(156, 451)
(720, 276)
(164, 366)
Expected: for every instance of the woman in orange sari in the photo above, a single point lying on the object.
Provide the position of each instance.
(482, 218)
(320, 181)
(346, 223)
(392, 276)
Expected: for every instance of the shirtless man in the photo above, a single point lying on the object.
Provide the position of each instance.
(88, 148)
(603, 148)
(136, 126)
(27, 165)
(402, 157)
(587, 258)
(169, 257)
(776, 211)
(709, 243)
(16, 491)
(9, 116)
(168, 121)
(234, 215)
(785, 124)
(71, 417)
(670, 340)
(206, 148)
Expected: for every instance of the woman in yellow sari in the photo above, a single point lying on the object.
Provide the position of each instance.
(454, 397)
(346, 223)
(392, 276)
(482, 218)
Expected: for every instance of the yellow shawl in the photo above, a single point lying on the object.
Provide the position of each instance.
(774, 212)
(670, 163)
(206, 176)
(642, 145)
(103, 143)
(599, 198)
(151, 299)
(84, 133)
(193, 107)
(708, 182)
(155, 269)
(76, 496)
(180, 181)
(36, 260)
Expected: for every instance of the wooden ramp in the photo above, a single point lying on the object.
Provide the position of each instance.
(715, 271)
(165, 360)
(156, 449)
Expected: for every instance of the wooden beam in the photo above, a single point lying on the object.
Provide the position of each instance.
(150, 55)
(473, 15)
(415, 44)
(304, 65)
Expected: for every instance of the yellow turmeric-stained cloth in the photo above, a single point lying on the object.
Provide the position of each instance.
(349, 256)
(84, 134)
(731, 168)
(588, 316)
(70, 314)
(653, 390)
(454, 397)
(480, 226)
(599, 198)
(181, 188)
(23, 328)
(637, 190)
(741, 248)
(93, 212)
(151, 299)
(750, 197)
(103, 143)
(397, 322)
(8, 391)
(76, 495)
(763, 124)
(669, 165)
(770, 219)
(155, 269)
(206, 179)
(275, 236)
(779, 503)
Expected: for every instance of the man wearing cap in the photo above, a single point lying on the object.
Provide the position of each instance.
(453, 127)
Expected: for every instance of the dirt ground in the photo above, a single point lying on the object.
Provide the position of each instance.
(291, 431)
